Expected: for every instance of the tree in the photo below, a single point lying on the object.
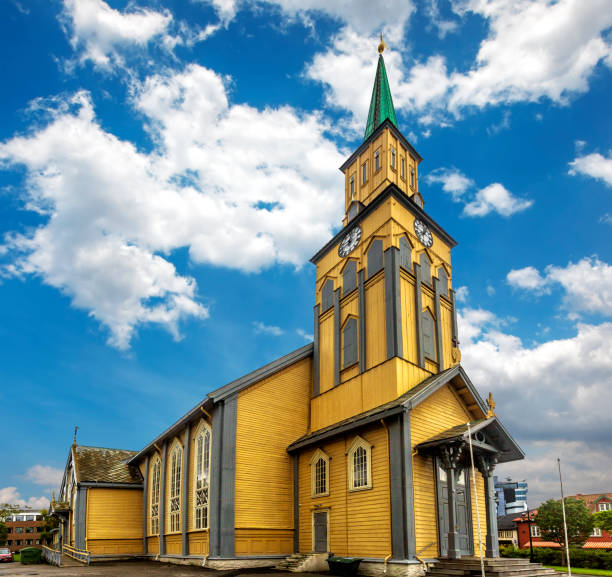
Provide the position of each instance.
(3, 533)
(48, 524)
(579, 521)
(6, 509)
(603, 520)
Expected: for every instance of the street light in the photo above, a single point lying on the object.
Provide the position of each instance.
(529, 519)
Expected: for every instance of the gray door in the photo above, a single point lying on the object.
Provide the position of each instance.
(320, 532)
(462, 508)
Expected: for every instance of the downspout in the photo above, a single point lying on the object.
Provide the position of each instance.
(382, 422)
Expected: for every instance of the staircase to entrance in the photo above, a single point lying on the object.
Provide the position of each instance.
(502, 567)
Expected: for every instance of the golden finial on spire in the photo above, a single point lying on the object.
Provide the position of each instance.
(491, 404)
(382, 45)
(75, 433)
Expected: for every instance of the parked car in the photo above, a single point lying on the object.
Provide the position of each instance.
(5, 555)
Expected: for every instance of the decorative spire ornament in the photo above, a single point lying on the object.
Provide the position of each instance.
(491, 404)
(75, 434)
(382, 45)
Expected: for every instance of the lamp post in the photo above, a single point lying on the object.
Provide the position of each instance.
(529, 519)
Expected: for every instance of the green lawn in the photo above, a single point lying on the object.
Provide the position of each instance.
(17, 557)
(578, 571)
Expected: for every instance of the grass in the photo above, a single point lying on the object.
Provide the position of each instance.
(17, 557)
(579, 571)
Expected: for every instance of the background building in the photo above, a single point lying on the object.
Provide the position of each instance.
(511, 496)
(24, 530)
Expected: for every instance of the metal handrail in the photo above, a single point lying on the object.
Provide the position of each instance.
(52, 556)
(78, 554)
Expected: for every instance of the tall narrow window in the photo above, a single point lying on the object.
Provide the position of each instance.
(429, 340)
(443, 281)
(425, 268)
(327, 295)
(319, 474)
(411, 177)
(403, 167)
(155, 491)
(377, 160)
(392, 157)
(349, 277)
(352, 187)
(176, 458)
(375, 257)
(202, 477)
(364, 172)
(360, 465)
(350, 349)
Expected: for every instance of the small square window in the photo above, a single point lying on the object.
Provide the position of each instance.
(596, 532)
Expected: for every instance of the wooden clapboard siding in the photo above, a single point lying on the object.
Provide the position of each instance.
(409, 338)
(115, 546)
(271, 414)
(174, 544)
(481, 510)
(376, 340)
(264, 541)
(326, 354)
(441, 411)
(359, 522)
(199, 543)
(447, 332)
(114, 514)
(153, 545)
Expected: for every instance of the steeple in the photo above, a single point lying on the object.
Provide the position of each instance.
(381, 104)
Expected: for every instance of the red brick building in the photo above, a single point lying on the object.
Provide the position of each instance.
(598, 540)
(24, 530)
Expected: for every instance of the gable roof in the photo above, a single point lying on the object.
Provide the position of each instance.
(506, 522)
(102, 465)
(406, 401)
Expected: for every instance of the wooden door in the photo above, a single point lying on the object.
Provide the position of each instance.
(320, 531)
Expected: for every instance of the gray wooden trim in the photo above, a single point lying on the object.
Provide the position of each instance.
(185, 503)
(396, 478)
(80, 516)
(162, 498)
(337, 339)
(455, 336)
(316, 360)
(227, 517)
(138, 486)
(418, 306)
(362, 320)
(410, 534)
(440, 351)
(215, 480)
(145, 505)
(393, 315)
(296, 502)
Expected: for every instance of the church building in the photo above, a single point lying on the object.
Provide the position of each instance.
(356, 444)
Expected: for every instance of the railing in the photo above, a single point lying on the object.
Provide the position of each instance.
(78, 554)
(52, 556)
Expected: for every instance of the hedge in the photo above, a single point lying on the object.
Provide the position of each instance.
(583, 558)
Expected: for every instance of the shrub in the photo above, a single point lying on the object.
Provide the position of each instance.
(583, 558)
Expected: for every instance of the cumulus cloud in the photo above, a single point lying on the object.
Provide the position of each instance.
(452, 180)
(263, 329)
(533, 50)
(594, 165)
(305, 335)
(102, 34)
(587, 284)
(239, 187)
(44, 475)
(12, 496)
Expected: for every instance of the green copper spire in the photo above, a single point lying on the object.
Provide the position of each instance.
(381, 105)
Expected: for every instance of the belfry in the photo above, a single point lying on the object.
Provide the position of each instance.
(370, 442)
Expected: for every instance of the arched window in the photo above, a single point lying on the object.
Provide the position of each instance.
(425, 268)
(201, 482)
(443, 281)
(360, 465)
(154, 498)
(319, 474)
(327, 295)
(375, 257)
(176, 465)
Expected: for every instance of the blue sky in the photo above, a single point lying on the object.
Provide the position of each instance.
(168, 168)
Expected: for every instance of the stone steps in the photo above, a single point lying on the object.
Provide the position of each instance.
(503, 567)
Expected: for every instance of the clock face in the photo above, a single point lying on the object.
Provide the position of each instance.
(423, 233)
(349, 242)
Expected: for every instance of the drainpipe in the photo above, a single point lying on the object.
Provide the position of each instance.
(382, 422)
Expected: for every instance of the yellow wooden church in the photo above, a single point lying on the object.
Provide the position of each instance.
(355, 444)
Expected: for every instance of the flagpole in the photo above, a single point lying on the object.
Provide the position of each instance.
(482, 569)
(569, 569)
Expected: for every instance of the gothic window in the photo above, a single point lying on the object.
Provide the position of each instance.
(327, 295)
(443, 281)
(319, 474)
(377, 160)
(174, 500)
(425, 268)
(155, 493)
(350, 349)
(201, 481)
(364, 172)
(375, 257)
(404, 253)
(360, 465)
(349, 277)
(428, 330)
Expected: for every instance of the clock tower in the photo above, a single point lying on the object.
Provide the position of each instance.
(385, 317)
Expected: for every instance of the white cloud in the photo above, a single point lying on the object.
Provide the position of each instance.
(239, 187)
(594, 165)
(553, 397)
(101, 33)
(44, 475)
(306, 336)
(12, 496)
(495, 198)
(587, 284)
(462, 293)
(606, 218)
(263, 329)
(443, 25)
(453, 181)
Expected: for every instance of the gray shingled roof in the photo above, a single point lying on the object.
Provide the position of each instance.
(101, 465)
